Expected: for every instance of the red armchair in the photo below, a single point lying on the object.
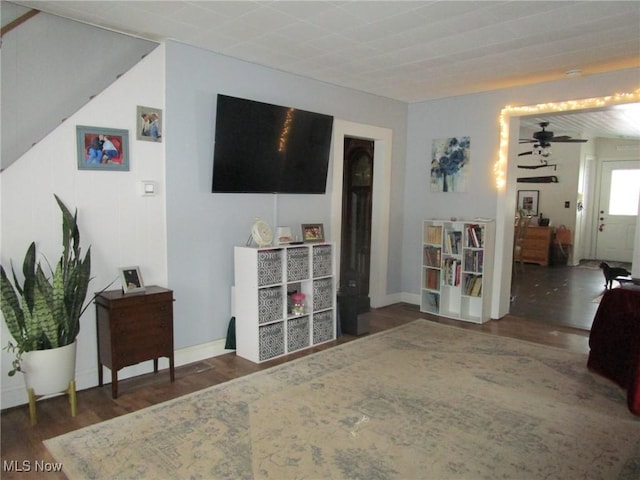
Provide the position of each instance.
(614, 342)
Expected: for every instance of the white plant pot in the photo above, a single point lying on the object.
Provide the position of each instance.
(49, 371)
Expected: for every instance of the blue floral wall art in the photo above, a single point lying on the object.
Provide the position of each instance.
(450, 164)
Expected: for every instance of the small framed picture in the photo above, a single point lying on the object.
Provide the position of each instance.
(102, 148)
(131, 279)
(313, 232)
(528, 201)
(149, 124)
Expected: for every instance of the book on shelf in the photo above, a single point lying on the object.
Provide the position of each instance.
(457, 241)
(451, 272)
(477, 287)
(448, 243)
(453, 241)
(433, 300)
(432, 256)
(434, 234)
(432, 279)
(473, 260)
(473, 285)
(474, 236)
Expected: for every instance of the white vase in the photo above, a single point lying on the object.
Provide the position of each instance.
(49, 371)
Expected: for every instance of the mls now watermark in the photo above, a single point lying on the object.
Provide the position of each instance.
(31, 466)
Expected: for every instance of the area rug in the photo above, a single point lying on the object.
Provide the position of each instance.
(424, 400)
(595, 264)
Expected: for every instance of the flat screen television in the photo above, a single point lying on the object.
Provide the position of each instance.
(264, 148)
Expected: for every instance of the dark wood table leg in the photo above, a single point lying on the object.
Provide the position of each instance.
(114, 383)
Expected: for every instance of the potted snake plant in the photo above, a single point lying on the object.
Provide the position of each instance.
(43, 314)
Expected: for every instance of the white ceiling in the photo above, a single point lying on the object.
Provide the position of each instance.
(406, 50)
(621, 121)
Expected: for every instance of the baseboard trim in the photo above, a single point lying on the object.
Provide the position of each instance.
(88, 378)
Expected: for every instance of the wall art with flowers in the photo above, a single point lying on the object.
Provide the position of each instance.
(450, 164)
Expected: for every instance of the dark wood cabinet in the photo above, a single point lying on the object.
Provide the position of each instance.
(134, 328)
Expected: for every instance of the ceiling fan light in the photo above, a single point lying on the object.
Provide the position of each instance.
(541, 151)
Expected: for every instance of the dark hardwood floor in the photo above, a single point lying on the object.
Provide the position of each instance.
(558, 295)
(555, 300)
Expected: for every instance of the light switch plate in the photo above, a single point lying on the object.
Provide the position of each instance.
(148, 188)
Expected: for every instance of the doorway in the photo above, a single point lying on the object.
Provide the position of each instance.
(506, 183)
(618, 210)
(380, 221)
(357, 206)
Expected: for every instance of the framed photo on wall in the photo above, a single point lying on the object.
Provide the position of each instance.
(313, 232)
(528, 201)
(131, 279)
(149, 124)
(102, 148)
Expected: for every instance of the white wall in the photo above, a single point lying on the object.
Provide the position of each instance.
(478, 117)
(203, 227)
(122, 227)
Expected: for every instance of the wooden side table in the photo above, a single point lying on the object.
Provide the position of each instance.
(133, 328)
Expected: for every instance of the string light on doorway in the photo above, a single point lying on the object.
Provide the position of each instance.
(500, 166)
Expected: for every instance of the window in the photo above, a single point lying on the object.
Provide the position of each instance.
(625, 189)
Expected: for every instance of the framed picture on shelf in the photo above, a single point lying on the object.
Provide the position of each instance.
(313, 232)
(149, 124)
(102, 148)
(528, 201)
(131, 279)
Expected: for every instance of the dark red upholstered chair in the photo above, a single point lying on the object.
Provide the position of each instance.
(614, 342)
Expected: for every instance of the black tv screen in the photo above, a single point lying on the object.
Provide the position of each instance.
(264, 148)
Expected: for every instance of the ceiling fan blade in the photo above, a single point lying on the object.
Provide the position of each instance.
(566, 139)
(525, 153)
(527, 140)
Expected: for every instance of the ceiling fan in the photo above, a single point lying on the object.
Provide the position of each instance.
(543, 139)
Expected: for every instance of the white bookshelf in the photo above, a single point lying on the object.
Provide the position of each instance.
(266, 326)
(457, 269)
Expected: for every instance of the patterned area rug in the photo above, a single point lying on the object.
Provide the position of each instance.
(420, 401)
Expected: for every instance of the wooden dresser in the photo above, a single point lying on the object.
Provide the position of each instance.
(536, 246)
(133, 328)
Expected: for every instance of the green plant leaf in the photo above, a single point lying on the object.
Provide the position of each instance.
(28, 270)
(11, 308)
(44, 310)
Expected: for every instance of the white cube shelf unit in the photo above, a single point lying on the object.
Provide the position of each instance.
(457, 269)
(265, 278)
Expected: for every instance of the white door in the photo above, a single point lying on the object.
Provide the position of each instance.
(618, 210)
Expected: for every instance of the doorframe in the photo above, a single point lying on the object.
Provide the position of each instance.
(505, 174)
(598, 202)
(382, 138)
